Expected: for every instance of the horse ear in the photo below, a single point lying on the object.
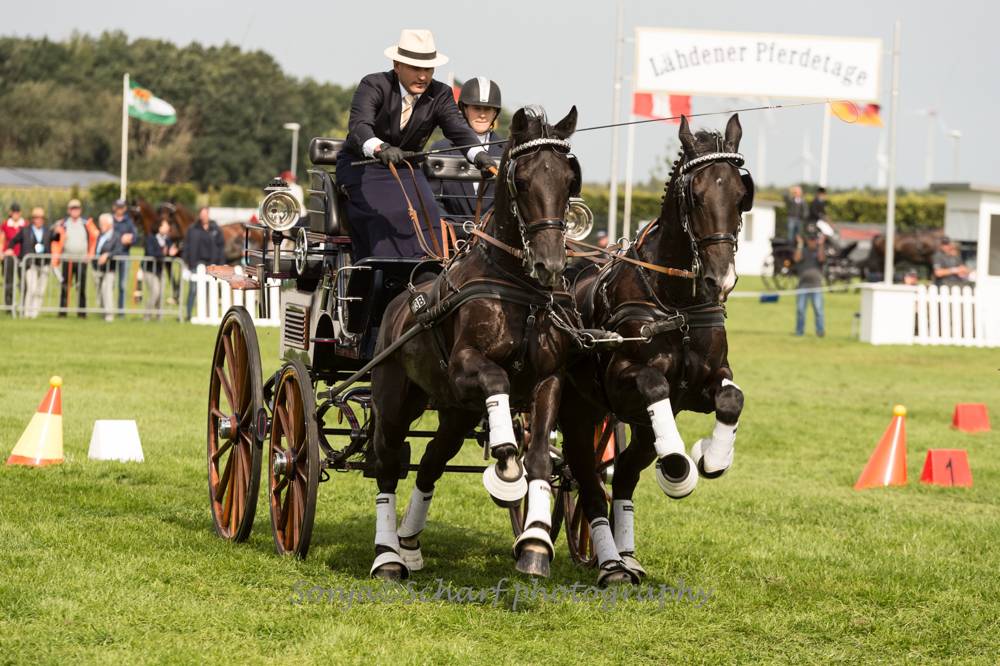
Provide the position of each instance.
(684, 134)
(565, 127)
(519, 124)
(734, 132)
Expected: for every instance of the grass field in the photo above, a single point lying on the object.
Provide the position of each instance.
(103, 562)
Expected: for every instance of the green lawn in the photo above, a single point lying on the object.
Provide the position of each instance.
(118, 562)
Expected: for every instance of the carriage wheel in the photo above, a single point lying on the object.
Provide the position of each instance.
(235, 411)
(293, 461)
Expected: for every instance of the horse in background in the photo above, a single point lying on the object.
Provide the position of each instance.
(915, 247)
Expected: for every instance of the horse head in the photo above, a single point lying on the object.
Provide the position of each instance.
(538, 175)
(713, 194)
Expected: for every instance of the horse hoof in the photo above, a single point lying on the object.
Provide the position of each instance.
(409, 550)
(505, 493)
(699, 460)
(389, 566)
(534, 560)
(632, 564)
(676, 475)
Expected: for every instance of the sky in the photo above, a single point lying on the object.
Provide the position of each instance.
(560, 53)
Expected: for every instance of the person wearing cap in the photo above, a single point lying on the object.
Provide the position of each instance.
(808, 258)
(947, 264)
(11, 251)
(479, 102)
(35, 239)
(74, 236)
(394, 113)
(125, 228)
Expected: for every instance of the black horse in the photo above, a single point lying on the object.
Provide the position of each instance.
(674, 299)
(500, 346)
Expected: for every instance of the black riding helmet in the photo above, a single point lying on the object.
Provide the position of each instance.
(479, 91)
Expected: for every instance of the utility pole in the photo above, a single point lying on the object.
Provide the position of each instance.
(616, 100)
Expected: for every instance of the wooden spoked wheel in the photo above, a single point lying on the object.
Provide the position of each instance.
(609, 441)
(236, 425)
(293, 461)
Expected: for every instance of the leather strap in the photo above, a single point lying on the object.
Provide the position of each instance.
(615, 256)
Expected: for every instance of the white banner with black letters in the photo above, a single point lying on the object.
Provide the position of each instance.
(695, 62)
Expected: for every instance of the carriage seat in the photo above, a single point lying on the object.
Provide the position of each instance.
(326, 205)
(323, 152)
(450, 167)
(386, 278)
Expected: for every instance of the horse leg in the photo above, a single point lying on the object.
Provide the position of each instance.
(533, 548)
(453, 426)
(714, 455)
(637, 456)
(675, 471)
(394, 409)
(473, 374)
(578, 449)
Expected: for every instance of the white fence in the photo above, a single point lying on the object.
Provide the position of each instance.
(928, 315)
(949, 316)
(213, 297)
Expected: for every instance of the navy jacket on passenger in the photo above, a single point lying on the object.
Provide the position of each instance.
(459, 196)
(375, 110)
(203, 246)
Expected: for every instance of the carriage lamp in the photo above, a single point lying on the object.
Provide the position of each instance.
(279, 210)
(579, 219)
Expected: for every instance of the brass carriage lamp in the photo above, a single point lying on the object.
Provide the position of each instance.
(279, 210)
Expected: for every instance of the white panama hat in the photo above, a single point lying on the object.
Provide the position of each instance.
(416, 47)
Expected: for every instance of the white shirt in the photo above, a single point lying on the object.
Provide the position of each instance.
(369, 146)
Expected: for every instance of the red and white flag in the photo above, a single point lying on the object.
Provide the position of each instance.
(661, 105)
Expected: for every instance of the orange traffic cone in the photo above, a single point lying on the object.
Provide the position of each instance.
(42, 441)
(887, 466)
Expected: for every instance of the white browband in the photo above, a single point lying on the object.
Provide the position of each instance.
(713, 157)
(535, 143)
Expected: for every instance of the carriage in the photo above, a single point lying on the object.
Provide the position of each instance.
(312, 416)
(778, 269)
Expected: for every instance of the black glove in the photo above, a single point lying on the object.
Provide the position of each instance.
(390, 154)
(483, 162)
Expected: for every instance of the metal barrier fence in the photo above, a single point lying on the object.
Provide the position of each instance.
(214, 296)
(127, 285)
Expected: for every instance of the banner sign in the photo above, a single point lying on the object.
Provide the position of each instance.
(739, 64)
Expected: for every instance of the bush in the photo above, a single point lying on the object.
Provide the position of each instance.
(238, 196)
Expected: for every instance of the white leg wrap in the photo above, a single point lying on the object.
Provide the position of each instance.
(604, 543)
(385, 521)
(539, 503)
(415, 518)
(719, 452)
(501, 427)
(624, 513)
(668, 438)
(730, 382)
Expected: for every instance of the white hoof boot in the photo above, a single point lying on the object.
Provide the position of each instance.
(413, 558)
(389, 565)
(535, 534)
(615, 572)
(503, 491)
(709, 466)
(632, 564)
(676, 474)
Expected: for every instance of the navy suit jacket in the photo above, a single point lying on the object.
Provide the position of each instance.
(459, 198)
(377, 104)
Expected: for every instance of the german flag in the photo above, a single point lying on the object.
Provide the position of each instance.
(857, 114)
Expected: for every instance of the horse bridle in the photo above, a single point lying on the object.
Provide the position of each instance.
(688, 170)
(531, 147)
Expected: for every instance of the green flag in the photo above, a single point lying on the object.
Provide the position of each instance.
(143, 105)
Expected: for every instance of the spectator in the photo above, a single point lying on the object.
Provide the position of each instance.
(203, 246)
(159, 246)
(948, 267)
(911, 278)
(35, 239)
(808, 266)
(107, 248)
(11, 250)
(817, 209)
(75, 236)
(125, 228)
(796, 210)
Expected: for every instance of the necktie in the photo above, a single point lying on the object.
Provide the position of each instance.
(404, 115)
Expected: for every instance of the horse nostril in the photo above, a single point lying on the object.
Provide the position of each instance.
(711, 283)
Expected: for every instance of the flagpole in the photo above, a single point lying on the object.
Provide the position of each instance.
(616, 101)
(824, 151)
(124, 175)
(629, 165)
(890, 212)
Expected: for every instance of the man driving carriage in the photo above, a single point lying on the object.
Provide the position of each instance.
(479, 102)
(393, 113)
